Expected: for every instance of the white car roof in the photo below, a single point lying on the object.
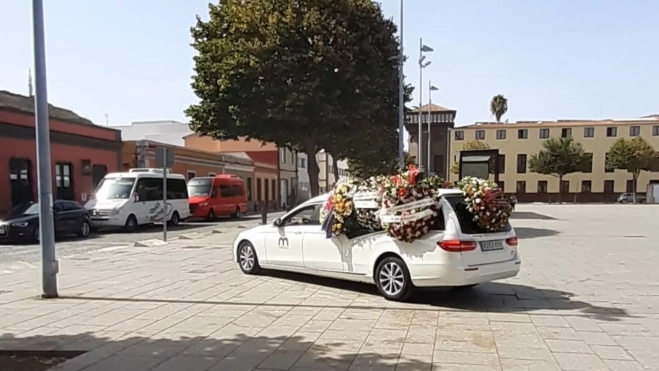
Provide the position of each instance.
(322, 198)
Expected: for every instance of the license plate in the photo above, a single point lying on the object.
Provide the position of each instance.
(491, 245)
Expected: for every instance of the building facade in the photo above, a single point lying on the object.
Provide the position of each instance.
(328, 170)
(81, 152)
(516, 143)
(442, 120)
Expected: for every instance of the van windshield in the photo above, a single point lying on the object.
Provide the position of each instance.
(115, 189)
(199, 187)
(467, 223)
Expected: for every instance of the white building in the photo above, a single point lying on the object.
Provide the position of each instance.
(164, 131)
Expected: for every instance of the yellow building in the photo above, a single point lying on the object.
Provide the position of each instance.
(516, 143)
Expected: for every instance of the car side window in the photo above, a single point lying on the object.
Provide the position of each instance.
(305, 216)
(58, 207)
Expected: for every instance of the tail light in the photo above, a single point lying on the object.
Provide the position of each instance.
(512, 241)
(457, 245)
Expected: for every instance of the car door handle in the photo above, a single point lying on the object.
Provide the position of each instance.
(297, 232)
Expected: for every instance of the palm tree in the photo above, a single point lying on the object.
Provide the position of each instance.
(498, 106)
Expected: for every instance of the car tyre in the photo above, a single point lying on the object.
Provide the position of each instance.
(85, 229)
(131, 223)
(36, 237)
(236, 214)
(211, 215)
(393, 279)
(176, 219)
(247, 259)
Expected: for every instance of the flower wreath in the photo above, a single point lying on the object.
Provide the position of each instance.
(484, 199)
(408, 206)
(341, 205)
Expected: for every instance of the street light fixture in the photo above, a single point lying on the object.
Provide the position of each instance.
(422, 49)
(431, 88)
(401, 96)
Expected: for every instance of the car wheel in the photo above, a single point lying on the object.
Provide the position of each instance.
(247, 259)
(393, 280)
(211, 215)
(35, 234)
(236, 214)
(175, 219)
(85, 228)
(131, 223)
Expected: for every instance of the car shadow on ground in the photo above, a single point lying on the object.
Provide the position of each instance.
(217, 347)
(530, 216)
(92, 236)
(526, 233)
(487, 297)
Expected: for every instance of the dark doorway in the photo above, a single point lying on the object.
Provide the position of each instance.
(20, 180)
(98, 173)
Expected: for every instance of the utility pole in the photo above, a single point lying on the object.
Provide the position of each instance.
(401, 96)
(422, 49)
(49, 265)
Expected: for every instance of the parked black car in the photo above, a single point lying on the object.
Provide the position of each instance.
(23, 222)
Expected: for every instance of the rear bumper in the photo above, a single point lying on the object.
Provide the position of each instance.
(448, 275)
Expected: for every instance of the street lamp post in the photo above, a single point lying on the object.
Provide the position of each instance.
(431, 88)
(42, 129)
(422, 65)
(401, 95)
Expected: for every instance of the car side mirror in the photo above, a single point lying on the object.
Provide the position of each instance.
(277, 222)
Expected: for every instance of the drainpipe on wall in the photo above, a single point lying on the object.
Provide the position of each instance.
(278, 185)
(327, 187)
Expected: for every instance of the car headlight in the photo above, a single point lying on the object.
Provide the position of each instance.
(115, 211)
(203, 204)
(20, 224)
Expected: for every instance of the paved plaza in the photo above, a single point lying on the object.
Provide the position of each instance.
(587, 299)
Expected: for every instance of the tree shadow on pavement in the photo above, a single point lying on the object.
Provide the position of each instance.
(223, 346)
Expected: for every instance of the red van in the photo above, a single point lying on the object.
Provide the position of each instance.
(220, 195)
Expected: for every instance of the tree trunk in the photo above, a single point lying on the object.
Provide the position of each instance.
(312, 168)
(560, 189)
(634, 180)
(336, 169)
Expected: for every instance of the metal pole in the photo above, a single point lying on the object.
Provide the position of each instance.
(420, 126)
(49, 266)
(164, 194)
(401, 96)
(429, 115)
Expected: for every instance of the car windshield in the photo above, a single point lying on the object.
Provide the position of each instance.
(115, 189)
(29, 208)
(467, 223)
(199, 187)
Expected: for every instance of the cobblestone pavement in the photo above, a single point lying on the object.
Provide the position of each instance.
(587, 299)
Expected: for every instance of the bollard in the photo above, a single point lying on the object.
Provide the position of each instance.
(264, 215)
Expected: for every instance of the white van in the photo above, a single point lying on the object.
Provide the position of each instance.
(135, 198)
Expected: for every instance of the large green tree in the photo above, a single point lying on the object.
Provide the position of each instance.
(378, 166)
(498, 106)
(305, 74)
(634, 156)
(559, 157)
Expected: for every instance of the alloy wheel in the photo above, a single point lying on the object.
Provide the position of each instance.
(392, 279)
(247, 258)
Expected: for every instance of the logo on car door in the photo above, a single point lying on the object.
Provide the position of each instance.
(283, 242)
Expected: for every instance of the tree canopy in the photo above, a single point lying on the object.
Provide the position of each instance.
(633, 155)
(474, 144)
(559, 157)
(498, 106)
(308, 75)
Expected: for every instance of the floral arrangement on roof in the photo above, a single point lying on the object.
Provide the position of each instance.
(484, 199)
(405, 205)
(409, 206)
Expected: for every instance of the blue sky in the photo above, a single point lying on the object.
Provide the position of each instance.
(552, 59)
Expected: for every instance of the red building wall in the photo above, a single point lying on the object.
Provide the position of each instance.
(70, 143)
